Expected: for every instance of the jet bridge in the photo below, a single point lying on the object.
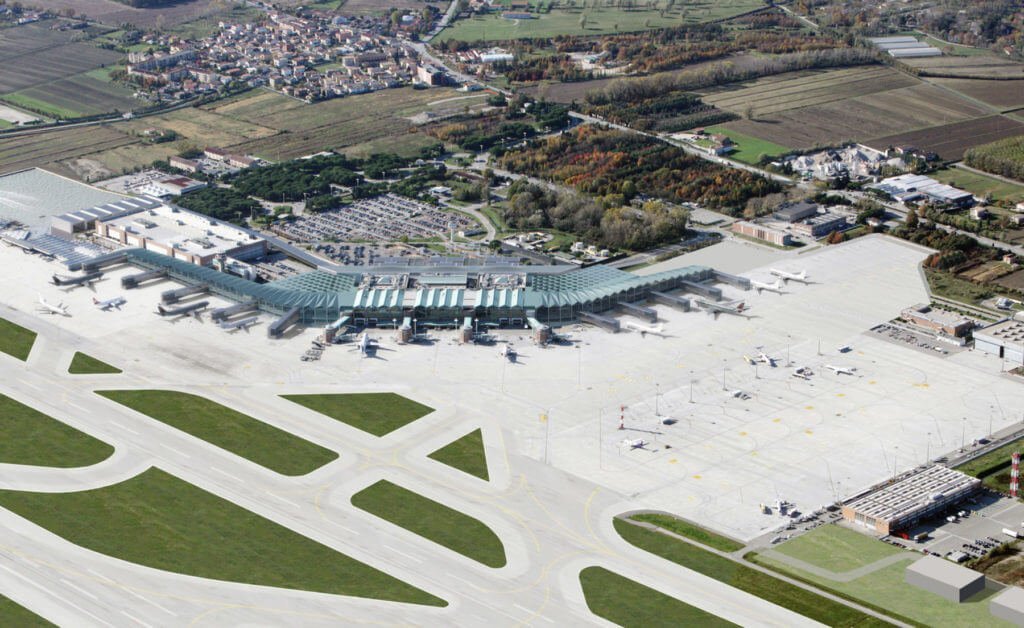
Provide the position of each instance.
(133, 281)
(226, 312)
(173, 296)
(103, 261)
(681, 303)
(708, 292)
(645, 313)
(604, 322)
(733, 280)
(281, 325)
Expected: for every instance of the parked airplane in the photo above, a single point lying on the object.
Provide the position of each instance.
(787, 277)
(841, 370)
(244, 324)
(48, 308)
(645, 329)
(714, 309)
(86, 279)
(802, 372)
(766, 359)
(770, 287)
(192, 308)
(508, 352)
(106, 304)
(635, 443)
(366, 345)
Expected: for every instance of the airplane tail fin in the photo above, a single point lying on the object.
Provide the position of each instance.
(95, 301)
(161, 310)
(742, 306)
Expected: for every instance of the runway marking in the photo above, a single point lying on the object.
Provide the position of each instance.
(809, 432)
(145, 599)
(289, 502)
(79, 589)
(76, 407)
(466, 582)
(31, 385)
(135, 619)
(696, 477)
(180, 453)
(50, 593)
(121, 427)
(412, 558)
(225, 473)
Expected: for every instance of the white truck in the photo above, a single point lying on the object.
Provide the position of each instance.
(1011, 533)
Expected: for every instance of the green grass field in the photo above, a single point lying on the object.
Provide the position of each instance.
(163, 522)
(465, 454)
(83, 364)
(432, 520)
(749, 149)
(15, 340)
(376, 413)
(980, 185)
(28, 436)
(629, 603)
(35, 105)
(229, 429)
(16, 615)
(744, 578)
(601, 20)
(690, 531)
(884, 589)
(949, 286)
(994, 467)
(837, 549)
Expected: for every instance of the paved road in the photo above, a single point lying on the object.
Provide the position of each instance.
(552, 524)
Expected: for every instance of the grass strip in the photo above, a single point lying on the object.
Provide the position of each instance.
(465, 454)
(15, 340)
(375, 413)
(83, 364)
(28, 436)
(629, 603)
(690, 531)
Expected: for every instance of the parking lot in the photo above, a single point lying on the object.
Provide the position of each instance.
(921, 341)
(386, 218)
(975, 532)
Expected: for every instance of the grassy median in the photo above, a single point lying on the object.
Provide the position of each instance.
(228, 429)
(432, 520)
(465, 454)
(83, 364)
(690, 531)
(629, 603)
(158, 520)
(28, 436)
(376, 413)
(14, 614)
(15, 340)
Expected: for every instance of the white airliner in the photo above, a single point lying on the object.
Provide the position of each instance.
(787, 277)
(244, 324)
(106, 304)
(715, 309)
(645, 329)
(767, 359)
(770, 287)
(48, 308)
(366, 344)
(841, 370)
(634, 443)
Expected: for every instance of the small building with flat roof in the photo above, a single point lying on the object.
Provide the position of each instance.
(1004, 339)
(938, 321)
(916, 495)
(1009, 605)
(945, 579)
(792, 212)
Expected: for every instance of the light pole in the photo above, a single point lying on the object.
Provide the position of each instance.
(963, 434)
(928, 449)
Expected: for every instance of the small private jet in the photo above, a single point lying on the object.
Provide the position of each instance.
(841, 370)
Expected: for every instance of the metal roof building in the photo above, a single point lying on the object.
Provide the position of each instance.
(917, 495)
(1009, 605)
(323, 296)
(945, 579)
(1004, 339)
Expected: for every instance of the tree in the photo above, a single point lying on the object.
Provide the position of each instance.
(911, 222)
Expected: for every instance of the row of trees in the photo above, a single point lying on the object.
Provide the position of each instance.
(1004, 157)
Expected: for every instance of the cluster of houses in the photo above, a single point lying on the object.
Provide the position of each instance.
(213, 161)
(309, 58)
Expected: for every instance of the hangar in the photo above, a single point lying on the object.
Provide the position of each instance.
(945, 579)
(1004, 339)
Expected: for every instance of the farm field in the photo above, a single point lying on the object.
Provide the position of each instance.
(604, 19)
(49, 148)
(950, 141)
(979, 66)
(980, 185)
(1000, 94)
(341, 122)
(749, 149)
(807, 109)
(115, 13)
(46, 72)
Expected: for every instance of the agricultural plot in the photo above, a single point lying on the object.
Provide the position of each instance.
(75, 96)
(950, 141)
(1001, 94)
(979, 66)
(980, 185)
(115, 13)
(804, 110)
(48, 148)
(564, 18)
(343, 122)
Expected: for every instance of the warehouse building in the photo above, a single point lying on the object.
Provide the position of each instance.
(945, 579)
(915, 496)
(820, 225)
(1009, 605)
(792, 212)
(919, 188)
(1004, 339)
(752, 230)
(939, 321)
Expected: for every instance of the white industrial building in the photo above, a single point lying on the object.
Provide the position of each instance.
(916, 187)
(1004, 339)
